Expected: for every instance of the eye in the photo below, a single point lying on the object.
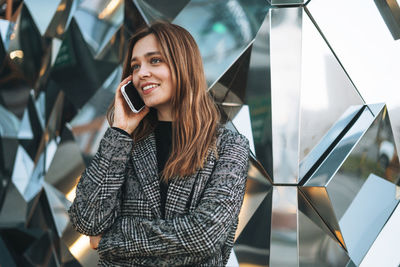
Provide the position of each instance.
(135, 67)
(155, 60)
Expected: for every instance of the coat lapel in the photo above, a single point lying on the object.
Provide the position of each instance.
(184, 192)
(145, 164)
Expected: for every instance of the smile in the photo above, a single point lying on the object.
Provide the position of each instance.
(150, 86)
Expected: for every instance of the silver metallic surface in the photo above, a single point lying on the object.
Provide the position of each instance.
(347, 180)
(284, 227)
(326, 89)
(390, 12)
(40, 15)
(98, 21)
(285, 53)
(285, 2)
(317, 245)
(365, 48)
(327, 140)
(258, 96)
(324, 170)
(222, 36)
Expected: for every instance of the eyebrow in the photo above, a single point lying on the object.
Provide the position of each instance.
(149, 54)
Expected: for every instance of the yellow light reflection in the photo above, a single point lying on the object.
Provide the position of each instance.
(80, 246)
(71, 194)
(109, 9)
(340, 238)
(17, 54)
(60, 29)
(61, 7)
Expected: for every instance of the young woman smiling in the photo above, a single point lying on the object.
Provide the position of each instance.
(166, 185)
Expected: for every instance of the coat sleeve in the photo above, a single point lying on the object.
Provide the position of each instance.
(98, 193)
(199, 234)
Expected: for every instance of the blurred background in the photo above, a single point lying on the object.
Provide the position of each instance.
(312, 85)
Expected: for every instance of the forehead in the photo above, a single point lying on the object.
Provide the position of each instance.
(145, 45)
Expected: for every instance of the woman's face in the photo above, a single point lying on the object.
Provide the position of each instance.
(151, 74)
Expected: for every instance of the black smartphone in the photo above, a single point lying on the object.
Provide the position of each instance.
(132, 97)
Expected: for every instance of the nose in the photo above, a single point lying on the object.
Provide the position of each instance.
(144, 72)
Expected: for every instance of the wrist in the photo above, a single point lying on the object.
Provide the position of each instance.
(124, 132)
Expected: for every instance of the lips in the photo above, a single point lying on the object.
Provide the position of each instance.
(147, 88)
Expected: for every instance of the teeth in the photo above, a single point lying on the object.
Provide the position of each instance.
(147, 87)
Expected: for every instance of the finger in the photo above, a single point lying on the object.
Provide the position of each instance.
(144, 112)
(124, 81)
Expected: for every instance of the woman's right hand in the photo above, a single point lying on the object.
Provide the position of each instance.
(124, 118)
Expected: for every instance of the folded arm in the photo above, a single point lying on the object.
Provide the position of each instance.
(199, 234)
(98, 193)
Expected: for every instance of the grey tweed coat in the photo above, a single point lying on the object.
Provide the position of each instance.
(118, 196)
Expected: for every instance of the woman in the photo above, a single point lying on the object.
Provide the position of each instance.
(166, 185)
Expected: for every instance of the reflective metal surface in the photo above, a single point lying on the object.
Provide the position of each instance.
(284, 227)
(390, 12)
(324, 169)
(258, 96)
(365, 48)
(334, 133)
(152, 10)
(326, 89)
(222, 36)
(285, 2)
(252, 246)
(40, 15)
(317, 246)
(285, 53)
(98, 21)
(384, 249)
(347, 180)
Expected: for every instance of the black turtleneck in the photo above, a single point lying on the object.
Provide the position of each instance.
(163, 135)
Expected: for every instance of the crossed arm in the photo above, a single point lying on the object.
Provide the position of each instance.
(197, 235)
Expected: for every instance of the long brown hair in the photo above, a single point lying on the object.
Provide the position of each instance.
(195, 116)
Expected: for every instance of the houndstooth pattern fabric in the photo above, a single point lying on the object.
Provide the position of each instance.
(118, 196)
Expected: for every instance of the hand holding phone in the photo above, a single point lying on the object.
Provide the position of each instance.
(132, 97)
(123, 118)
